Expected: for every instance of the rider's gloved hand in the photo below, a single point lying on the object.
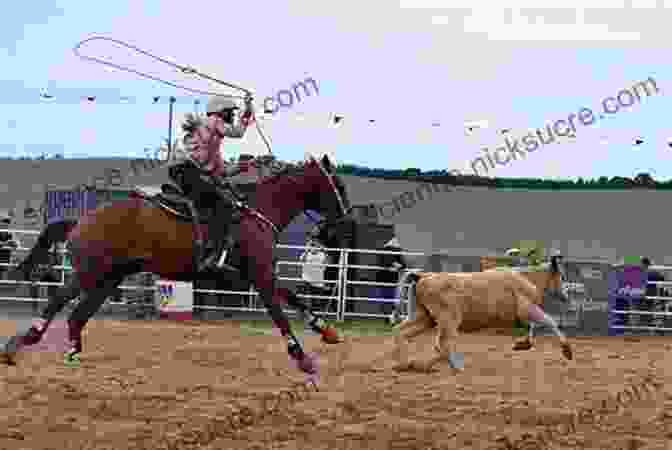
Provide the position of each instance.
(249, 106)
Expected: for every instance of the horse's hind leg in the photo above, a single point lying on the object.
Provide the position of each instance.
(311, 318)
(536, 314)
(34, 334)
(91, 299)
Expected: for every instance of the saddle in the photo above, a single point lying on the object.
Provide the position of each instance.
(174, 201)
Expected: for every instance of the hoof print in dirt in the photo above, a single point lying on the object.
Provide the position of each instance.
(415, 366)
(522, 345)
(567, 351)
(7, 359)
(408, 367)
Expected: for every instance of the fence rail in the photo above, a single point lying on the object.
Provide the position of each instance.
(343, 296)
(341, 283)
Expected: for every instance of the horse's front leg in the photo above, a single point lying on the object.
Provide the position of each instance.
(310, 317)
(39, 327)
(306, 363)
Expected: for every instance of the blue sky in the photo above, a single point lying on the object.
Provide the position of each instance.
(406, 65)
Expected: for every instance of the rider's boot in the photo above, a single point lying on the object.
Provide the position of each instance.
(219, 231)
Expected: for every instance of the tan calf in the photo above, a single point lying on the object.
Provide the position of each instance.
(454, 302)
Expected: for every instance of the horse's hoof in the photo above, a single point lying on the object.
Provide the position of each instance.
(308, 364)
(522, 345)
(330, 336)
(567, 351)
(71, 359)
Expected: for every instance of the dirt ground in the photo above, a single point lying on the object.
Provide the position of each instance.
(147, 385)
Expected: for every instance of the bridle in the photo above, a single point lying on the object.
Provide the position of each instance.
(330, 177)
(344, 212)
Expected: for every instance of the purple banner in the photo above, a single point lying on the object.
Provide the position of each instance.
(62, 205)
(627, 285)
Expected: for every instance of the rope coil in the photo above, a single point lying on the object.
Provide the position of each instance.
(186, 70)
(183, 69)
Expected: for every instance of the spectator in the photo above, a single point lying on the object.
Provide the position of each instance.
(652, 290)
(313, 273)
(394, 263)
(8, 244)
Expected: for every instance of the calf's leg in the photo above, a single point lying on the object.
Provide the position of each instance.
(408, 330)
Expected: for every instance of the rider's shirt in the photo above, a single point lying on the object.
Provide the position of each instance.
(205, 143)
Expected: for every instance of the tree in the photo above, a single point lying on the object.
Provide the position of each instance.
(161, 153)
(645, 180)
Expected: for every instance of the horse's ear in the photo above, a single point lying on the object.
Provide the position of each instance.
(327, 164)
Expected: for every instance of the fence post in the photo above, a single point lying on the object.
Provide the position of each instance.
(340, 313)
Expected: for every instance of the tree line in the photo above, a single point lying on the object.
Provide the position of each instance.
(641, 180)
(453, 177)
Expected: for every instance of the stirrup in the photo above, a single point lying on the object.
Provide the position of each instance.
(222, 258)
(215, 262)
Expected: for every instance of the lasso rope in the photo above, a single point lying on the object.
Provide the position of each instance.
(187, 70)
(183, 69)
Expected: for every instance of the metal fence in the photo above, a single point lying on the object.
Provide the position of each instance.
(586, 295)
(653, 313)
(340, 298)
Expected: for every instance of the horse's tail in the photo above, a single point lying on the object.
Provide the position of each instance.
(53, 233)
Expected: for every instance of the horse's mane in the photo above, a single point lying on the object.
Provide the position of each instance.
(278, 168)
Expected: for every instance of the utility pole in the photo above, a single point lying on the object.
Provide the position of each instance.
(170, 127)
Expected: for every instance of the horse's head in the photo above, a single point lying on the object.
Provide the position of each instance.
(327, 195)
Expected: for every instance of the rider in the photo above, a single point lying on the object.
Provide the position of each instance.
(203, 140)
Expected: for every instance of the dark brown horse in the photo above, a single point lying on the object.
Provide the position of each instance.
(136, 235)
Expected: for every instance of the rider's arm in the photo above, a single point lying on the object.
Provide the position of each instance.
(237, 130)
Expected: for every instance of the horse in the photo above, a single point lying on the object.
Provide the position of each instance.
(466, 302)
(148, 234)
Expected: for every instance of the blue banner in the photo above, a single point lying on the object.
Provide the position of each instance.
(627, 286)
(62, 205)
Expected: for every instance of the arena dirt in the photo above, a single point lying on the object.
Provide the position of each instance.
(168, 385)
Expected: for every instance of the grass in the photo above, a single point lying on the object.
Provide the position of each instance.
(350, 327)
